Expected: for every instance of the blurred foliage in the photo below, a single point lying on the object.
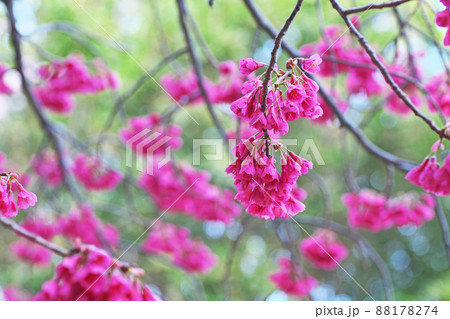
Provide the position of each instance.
(147, 29)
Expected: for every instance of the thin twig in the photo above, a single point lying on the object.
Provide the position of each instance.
(371, 6)
(198, 68)
(19, 230)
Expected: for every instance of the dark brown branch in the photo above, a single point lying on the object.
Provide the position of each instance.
(43, 120)
(19, 230)
(182, 10)
(394, 86)
(390, 4)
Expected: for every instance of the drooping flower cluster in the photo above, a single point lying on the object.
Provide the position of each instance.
(63, 79)
(4, 87)
(93, 275)
(261, 188)
(291, 279)
(300, 99)
(443, 20)
(431, 176)
(374, 212)
(323, 250)
(9, 184)
(438, 89)
(339, 59)
(185, 90)
(188, 191)
(174, 241)
(46, 166)
(82, 224)
(147, 135)
(94, 175)
(30, 252)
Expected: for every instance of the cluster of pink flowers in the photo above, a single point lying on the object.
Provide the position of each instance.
(323, 250)
(82, 224)
(202, 201)
(291, 279)
(173, 241)
(374, 212)
(358, 79)
(394, 103)
(431, 176)
(328, 115)
(94, 175)
(438, 89)
(4, 88)
(9, 184)
(46, 166)
(300, 100)
(185, 90)
(443, 20)
(30, 252)
(148, 132)
(63, 79)
(93, 275)
(261, 188)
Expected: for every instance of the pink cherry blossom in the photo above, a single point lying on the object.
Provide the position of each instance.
(261, 188)
(431, 176)
(248, 65)
(311, 64)
(152, 129)
(25, 198)
(323, 250)
(93, 275)
(82, 224)
(94, 175)
(4, 87)
(202, 201)
(175, 242)
(46, 166)
(291, 279)
(63, 79)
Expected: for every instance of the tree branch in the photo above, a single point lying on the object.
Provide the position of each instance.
(198, 68)
(394, 86)
(19, 230)
(43, 120)
(390, 4)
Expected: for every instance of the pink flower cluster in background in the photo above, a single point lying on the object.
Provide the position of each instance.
(82, 224)
(94, 175)
(92, 274)
(189, 254)
(46, 166)
(438, 86)
(188, 191)
(291, 279)
(30, 252)
(4, 87)
(374, 212)
(185, 90)
(323, 250)
(148, 135)
(62, 79)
